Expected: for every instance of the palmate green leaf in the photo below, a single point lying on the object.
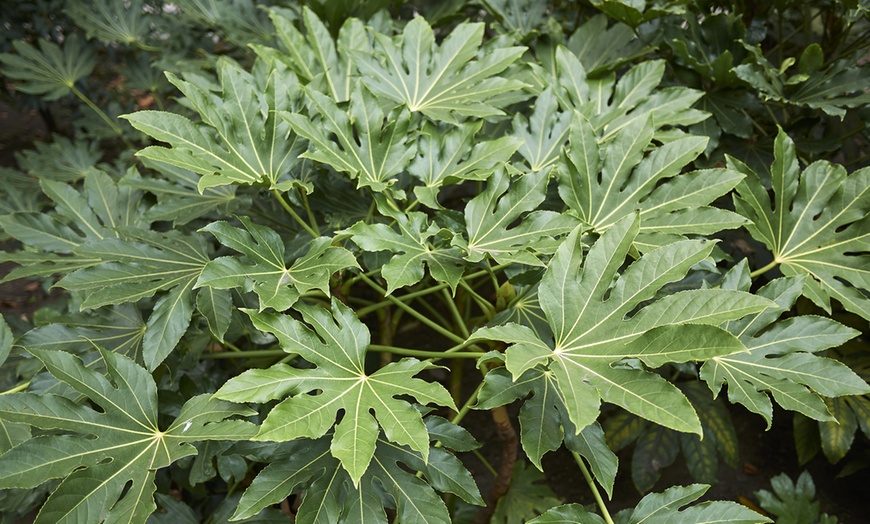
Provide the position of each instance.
(369, 145)
(178, 199)
(839, 87)
(6, 339)
(119, 329)
(447, 156)
(319, 61)
(62, 159)
(337, 348)
(780, 360)
(544, 421)
(664, 508)
(99, 453)
(817, 224)
(636, 12)
(527, 497)
(137, 268)
(489, 215)
(442, 82)
(611, 105)
(413, 245)
(791, 501)
(277, 285)
(109, 21)
(330, 496)
(241, 139)
(601, 49)
(519, 17)
(544, 133)
(94, 213)
(602, 183)
(238, 21)
(586, 309)
(50, 71)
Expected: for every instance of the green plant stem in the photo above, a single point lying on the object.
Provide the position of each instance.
(346, 285)
(289, 209)
(408, 297)
(17, 389)
(229, 345)
(764, 269)
(593, 487)
(415, 294)
(413, 312)
(482, 303)
(485, 462)
(244, 354)
(454, 312)
(457, 418)
(459, 347)
(311, 218)
(422, 353)
(90, 103)
(433, 313)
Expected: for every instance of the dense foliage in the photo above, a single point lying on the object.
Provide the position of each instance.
(293, 263)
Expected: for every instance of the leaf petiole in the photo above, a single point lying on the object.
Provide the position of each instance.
(422, 353)
(483, 303)
(294, 214)
(243, 354)
(765, 269)
(413, 312)
(17, 389)
(311, 217)
(591, 482)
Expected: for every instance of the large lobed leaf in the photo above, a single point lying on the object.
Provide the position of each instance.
(277, 285)
(592, 313)
(330, 496)
(544, 421)
(369, 145)
(817, 224)
(603, 181)
(413, 245)
(318, 60)
(490, 219)
(338, 382)
(138, 268)
(50, 71)
(447, 156)
(241, 139)
(92, 213)
(780, 361)
(442, 82)
(99, 453)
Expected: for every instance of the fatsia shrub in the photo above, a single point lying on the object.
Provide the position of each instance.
(271, 305)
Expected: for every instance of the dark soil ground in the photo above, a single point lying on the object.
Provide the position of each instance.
(763, 454)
